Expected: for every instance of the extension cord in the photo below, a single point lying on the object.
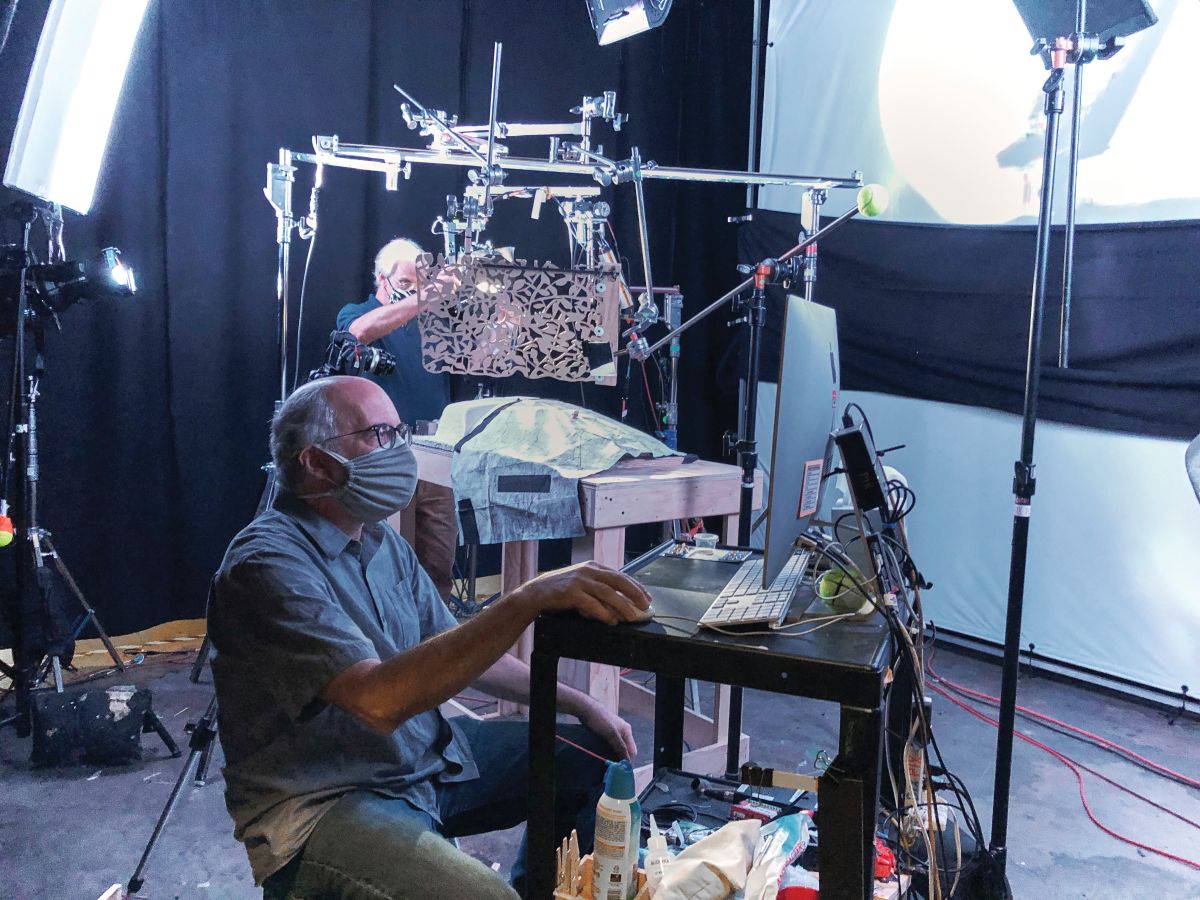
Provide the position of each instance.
(915, 824)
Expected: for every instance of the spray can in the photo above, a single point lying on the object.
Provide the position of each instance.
(618, 829)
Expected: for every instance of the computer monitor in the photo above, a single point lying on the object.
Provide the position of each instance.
(805, 416)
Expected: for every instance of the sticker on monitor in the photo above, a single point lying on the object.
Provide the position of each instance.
(810, 493)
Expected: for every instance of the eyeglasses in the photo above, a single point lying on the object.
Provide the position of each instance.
(386, 435)
(399, 290)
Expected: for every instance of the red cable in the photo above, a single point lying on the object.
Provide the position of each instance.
(581, 749)
(1191, 782)
(1070, 764)
(996, 701)
(1117, 784)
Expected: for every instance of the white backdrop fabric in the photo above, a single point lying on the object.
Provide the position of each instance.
(1111, 581)
(940, 101)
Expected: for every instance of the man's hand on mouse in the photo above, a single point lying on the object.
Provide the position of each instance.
(591, 590)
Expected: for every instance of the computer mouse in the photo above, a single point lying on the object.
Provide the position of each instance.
(643, 615)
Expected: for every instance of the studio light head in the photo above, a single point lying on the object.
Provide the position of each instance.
(615, 20)
(50, 288)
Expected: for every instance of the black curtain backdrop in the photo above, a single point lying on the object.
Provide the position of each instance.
(154, 414)
(941, 312)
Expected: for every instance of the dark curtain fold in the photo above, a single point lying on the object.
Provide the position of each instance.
(942, 313)
(153, 420)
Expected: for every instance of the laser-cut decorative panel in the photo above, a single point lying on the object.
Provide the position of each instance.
(519, 319)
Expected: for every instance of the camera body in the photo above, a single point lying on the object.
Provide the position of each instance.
(346, 355)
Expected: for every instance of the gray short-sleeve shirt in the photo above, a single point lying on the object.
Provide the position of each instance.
(295, 602)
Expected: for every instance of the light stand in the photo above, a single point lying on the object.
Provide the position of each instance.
(1078, 48)
(38, 562)
(280, 178)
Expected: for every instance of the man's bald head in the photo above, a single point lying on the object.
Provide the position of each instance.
(320, 410)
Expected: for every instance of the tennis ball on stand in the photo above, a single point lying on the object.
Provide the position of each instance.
(840, 594)
(872, 199)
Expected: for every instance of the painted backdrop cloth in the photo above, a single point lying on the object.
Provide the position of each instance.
(516, 474)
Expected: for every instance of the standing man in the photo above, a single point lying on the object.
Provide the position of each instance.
(388, 318)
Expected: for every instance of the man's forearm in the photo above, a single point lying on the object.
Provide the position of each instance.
(508, 679)
(385, 694)
(373, 325)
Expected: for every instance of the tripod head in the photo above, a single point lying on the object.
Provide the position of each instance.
(1076, 49)
(772, 271)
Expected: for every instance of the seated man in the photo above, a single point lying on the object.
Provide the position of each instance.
(334, 652)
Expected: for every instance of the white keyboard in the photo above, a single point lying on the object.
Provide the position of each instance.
(743, 601)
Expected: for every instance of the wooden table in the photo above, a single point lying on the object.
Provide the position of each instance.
(632, 492)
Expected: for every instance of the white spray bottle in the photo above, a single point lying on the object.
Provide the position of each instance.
(618, 828)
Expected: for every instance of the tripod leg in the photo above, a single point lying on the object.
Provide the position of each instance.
(202, 769)
(201, 659)
(202, 736)
(136, 880)
(87, 607)
(151, 722)
(56, 663)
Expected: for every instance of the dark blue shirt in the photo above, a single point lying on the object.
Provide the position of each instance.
(416, 393)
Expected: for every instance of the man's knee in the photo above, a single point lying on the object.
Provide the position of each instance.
(385, 845)
(443, 872)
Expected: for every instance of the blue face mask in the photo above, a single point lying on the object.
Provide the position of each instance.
(378, 484)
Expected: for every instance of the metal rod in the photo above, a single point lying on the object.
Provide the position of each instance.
(755, 76)
(89, 611)
(285, 173)
(1064, 321)
(383, 159)
(517, 129)
(24, 661)
(497, 50)
(816, 198)
(1024, 484)
(747, 452)
(737, 289)
(643, 226)
(441, 123)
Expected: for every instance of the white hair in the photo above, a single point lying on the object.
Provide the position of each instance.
(307, 417)
(399, 249)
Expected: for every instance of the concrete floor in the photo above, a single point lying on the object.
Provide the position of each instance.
(69, 834)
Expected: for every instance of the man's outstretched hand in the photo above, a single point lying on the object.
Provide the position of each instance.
(611, 728)
(589, 589)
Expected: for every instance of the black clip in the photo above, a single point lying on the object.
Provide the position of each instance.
(1182, 711)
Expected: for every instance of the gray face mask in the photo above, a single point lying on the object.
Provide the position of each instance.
(378, 483)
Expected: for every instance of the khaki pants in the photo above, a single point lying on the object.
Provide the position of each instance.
(429, 525)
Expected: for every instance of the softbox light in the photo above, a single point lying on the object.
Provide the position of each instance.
(1107, 18)
(615, 20)
(70, 98)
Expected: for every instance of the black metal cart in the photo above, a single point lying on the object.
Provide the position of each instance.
(853, 664)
